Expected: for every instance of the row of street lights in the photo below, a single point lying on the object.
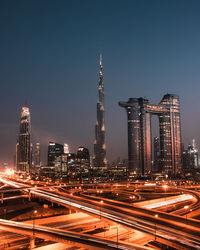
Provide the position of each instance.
(101, 202)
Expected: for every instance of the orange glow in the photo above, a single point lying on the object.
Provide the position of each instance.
(165, 187)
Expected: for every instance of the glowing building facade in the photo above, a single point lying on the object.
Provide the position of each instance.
(190, 159)
(37, 162)
(139, 112)
(66, 148)
(83, 159)
(23, 146)
(99, 144)
(55, 150)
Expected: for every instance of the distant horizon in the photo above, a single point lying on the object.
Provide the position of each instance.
(91, 153)
(50, 58)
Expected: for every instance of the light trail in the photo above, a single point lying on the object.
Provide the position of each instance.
(61, 235)
(183, 197)
(172, 229)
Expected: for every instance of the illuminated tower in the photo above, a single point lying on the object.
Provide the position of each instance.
(37, 162)
(139, 112)
(170, 136)
(139, 136)
(99, 144)
(66, 148)
(23, 147)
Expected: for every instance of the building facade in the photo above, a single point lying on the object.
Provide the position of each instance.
(83, 161)
(23, 146)
(55, 150)
(139, 112)
(99, 144)
(37, 161)
(190, 159)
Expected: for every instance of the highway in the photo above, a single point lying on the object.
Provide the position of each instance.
(169, 227)
(59, 235)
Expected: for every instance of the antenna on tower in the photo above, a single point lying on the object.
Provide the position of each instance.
(100, 59)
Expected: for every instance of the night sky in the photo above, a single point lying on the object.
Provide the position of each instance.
(49, 58)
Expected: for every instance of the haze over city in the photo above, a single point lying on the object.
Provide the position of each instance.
(50, 60)
(99, 128)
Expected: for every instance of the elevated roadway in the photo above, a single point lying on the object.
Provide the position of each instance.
(58, 235)
(169, 227)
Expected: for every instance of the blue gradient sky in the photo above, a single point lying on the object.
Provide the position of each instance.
(49, 56)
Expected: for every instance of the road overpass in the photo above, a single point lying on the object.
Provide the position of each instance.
(174, 229)
(58, 235)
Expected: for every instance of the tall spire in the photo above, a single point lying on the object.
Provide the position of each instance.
(99, 145)
(101, 71)
(100, 60)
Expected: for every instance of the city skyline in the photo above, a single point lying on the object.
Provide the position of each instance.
(59, 79)
(99, 128)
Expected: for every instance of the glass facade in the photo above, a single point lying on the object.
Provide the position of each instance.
(23, 147)
(54, 150)
(99, 144)
(170, 136)
(37, 162)
(139, 112)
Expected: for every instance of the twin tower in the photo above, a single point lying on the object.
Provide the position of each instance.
(139, 112)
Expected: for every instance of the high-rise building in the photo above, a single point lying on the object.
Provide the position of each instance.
(71, 165)
(170, 136)
(139, 112)
(83, 162)
(66, 148)
(54, 150)
(190, 159)
(99, 144)
(37, 162)
(23, 146)
(83, 158)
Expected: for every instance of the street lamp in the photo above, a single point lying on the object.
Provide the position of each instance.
(34, 213)
(101, 202)
(117, 195)
(186, 207)
(156, 216)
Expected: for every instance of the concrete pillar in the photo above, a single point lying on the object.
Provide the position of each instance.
(32, 242)
(29, 196)
(1, 198)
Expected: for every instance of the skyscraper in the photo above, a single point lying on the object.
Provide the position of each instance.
(66, 148)
(99, 144)
(139, 112)
(54, 150)
(83, 158)
(37, 161)
(190, 159)
(170, 136)
(83, 163)
(23, 147)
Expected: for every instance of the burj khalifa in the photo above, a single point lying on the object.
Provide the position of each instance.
(99, 144)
